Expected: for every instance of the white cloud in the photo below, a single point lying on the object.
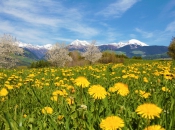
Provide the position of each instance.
(133, 35)
(168, 10)
(43, 18)
(118, 8)
(82, 29)
(144, 33)
(171, 27)
(6, 27)
(32, 18)
(112, 35)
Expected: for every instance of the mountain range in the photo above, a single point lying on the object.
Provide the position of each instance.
(130, 48)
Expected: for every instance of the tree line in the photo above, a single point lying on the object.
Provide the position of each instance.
(59, 55)
(75, 58)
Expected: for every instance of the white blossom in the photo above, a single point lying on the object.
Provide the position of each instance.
(92, 53)
(58, 55)
(8, 49)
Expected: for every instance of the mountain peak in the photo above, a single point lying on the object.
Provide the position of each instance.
(130, 42)
(137, 42)
(79, 43)
(26, 45)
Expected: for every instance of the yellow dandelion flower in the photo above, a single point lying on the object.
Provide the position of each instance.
(3, 99)
(70, 87)
(24, 115)
(149, 110)
(9, 87)
(54, 98)
(112, 89)
(112, 123)
(145, 80)
(31, 75)
(136, 77)
(81, 82)
(123, 71)
(3, 92)
(165, 89)
(97, 92)
(136, 91)
(121, 88)
(57, 84)
(143, 93)
(125, 76)
(60, 117)
(144, 72)
(168, 77)
(154, 127)
(60, 92)
(108, 94)
(47, 110)
(70, 100)
(47, 84)
(18, 85)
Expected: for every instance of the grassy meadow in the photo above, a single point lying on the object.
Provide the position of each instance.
(131, 96)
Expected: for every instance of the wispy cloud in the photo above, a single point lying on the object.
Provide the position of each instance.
(144, 33)
(160, 37)
(118, 8)
(113, 35)
(42, 19)
(171, 27)
(133, 35)
(168, 9)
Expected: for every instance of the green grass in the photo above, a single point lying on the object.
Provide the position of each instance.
(30, 90)
(120, 52)
(138, 52)
(25, 60)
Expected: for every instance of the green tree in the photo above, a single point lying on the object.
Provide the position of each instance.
(40, 64)
(171, 49)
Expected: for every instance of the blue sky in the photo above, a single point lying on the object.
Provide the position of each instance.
(42, 22)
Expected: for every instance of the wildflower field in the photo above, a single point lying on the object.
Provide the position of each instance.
(129, 96)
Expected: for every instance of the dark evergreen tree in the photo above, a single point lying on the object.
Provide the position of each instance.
(40, 64)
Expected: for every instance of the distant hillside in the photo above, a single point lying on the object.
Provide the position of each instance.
(130, 48)
(143, 50)
(156, 56)
(30, 54)
(27, 58)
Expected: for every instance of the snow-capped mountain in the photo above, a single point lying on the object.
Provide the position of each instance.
(129, 47)
(26, 45)
(133, 43)
(130, 42)
(79, 43)
(40, 51)
(37, 50)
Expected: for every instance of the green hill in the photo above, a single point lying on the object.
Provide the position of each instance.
(27, 58)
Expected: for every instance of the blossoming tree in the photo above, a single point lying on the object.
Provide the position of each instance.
(58, 55)
(92, 53)
(8, 50)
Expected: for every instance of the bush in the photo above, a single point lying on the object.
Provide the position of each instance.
(137, 57)
(110, 57)
(40, 64)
